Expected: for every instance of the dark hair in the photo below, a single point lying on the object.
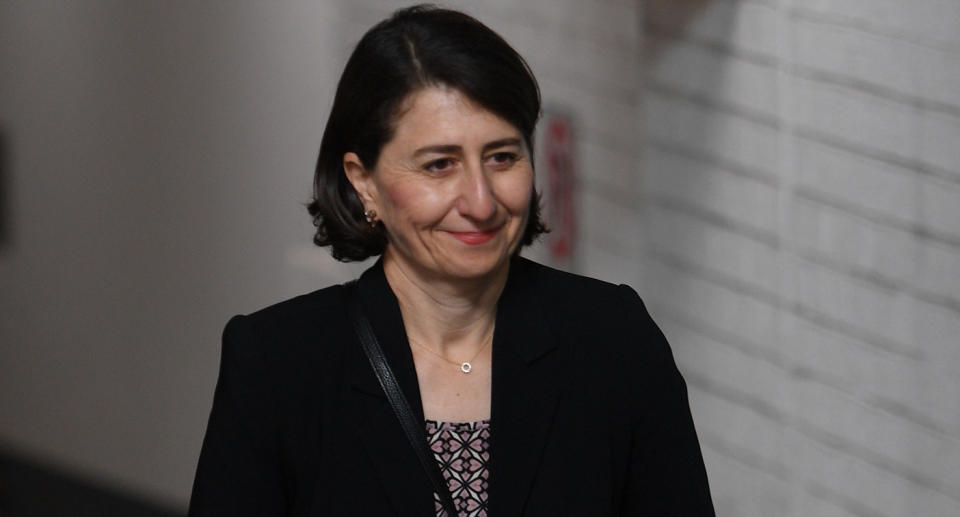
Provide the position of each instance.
(417, 47)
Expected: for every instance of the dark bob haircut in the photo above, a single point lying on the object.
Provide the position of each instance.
(417, 47)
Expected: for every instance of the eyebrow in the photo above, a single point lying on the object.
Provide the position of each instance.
(452, 148)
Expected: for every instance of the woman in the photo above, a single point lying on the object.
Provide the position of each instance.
(539, 392)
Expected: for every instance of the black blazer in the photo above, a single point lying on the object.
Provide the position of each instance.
(589, 415)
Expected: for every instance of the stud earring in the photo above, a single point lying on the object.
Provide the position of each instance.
(371, 217)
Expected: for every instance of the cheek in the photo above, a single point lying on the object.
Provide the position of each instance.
(515, 191)
(415, 203)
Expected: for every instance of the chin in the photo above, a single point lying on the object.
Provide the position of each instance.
(476, 268)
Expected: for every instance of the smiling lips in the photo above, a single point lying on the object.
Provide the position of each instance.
(475, 238)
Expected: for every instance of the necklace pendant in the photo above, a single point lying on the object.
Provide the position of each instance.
(466, 367)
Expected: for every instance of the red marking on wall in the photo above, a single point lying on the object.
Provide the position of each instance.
(561, 187)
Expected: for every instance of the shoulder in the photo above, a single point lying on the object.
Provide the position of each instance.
(304, 310)
(563, 292)
(611, 320)
(284, 330)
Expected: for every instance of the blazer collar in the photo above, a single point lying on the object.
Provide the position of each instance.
(526, 385)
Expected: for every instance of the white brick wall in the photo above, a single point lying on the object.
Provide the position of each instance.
(693, 69)
(939, 134)
(802, 248)
(705, 130)
(932, 22)
(703, 186)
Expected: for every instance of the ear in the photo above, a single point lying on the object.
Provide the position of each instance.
(361, 179)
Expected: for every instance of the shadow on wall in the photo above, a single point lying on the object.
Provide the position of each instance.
(31, 490)
(664, 19)
(4, 195)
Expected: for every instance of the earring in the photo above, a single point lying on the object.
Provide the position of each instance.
(371, 217)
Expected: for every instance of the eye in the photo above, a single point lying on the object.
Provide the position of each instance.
(441, 165)
(503, 159)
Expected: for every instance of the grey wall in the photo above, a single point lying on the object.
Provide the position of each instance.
(158, 156)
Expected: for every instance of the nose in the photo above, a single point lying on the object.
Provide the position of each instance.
(476, 200)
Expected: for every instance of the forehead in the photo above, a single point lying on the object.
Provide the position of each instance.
(444, 115)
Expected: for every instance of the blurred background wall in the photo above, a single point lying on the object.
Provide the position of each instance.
(158, 157)
(780, 179)
(802, 192)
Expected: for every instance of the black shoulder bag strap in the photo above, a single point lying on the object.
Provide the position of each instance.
(411, 426)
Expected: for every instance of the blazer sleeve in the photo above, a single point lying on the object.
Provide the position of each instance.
(667, 475)
(238, 473)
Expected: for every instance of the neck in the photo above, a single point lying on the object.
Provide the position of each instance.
(453, 317)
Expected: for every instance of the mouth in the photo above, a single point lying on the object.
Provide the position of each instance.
(476, 238)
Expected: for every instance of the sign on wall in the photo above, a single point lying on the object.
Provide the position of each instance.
(561, 185)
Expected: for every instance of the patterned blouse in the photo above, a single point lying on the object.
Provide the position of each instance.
(462, 450)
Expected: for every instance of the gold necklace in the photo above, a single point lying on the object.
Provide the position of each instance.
(465, 366)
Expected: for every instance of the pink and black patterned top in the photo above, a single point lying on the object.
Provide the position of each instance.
(462, 449)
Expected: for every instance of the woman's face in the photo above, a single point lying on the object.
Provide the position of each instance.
(452, 187)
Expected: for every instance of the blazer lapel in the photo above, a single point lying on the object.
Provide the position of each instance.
(391, 455)
(527, 381)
